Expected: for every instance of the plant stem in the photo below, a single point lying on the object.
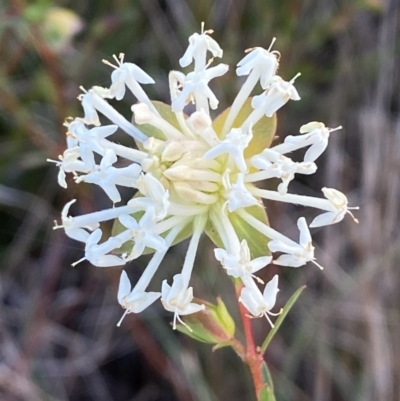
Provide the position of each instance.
(253, 358)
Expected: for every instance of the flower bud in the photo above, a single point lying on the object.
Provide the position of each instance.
(213, 325)
(142, 113)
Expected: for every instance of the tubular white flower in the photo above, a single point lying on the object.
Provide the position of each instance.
(143, 233)
(96, 253)
(339, 204)
(278, 93)
(155, 196)
(69, 163)
(195, 86)
(234, 144)
(298, 255)
(261, 63)
(88, 139)
(237, 194)
(93, 102)
(335, 204)
(138, 299)
(107, 176)
(276, 165)
(72, 230)
(130, 75)
(133, 300)
(239, 264)
(178, 299)
(197, 49)
(315, 135)
(192, 175)
(260, 304)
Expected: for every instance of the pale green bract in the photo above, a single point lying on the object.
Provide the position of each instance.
(193, 175)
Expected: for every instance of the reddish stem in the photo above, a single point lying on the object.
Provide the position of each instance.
(253, 358)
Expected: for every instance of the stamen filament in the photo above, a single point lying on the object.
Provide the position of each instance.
(122, 318)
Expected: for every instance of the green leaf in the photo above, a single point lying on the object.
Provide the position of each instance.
(267, 394)
(257, 242)
(263, 131)
(266, 376)
(282, 316)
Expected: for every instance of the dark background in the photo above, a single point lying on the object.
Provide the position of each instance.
(58, 339)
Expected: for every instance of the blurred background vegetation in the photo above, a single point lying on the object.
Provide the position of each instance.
(58, 339)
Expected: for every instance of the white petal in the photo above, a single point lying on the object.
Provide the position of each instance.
(192, 308)
(61, 178)
(155, 242)
(94, 237)
(78, 234)
(305, 236)
(165, 290)
(138, 74)
(108, 159)
(103, 132)
(124, 286)
(147, 301)
(290, 261)
(137, 249)
(111, 191)
(128, 222)
(270, 292)
(279, 246)
(259, 263)
(258, 101)
(247, 299)
(315, 151)
(107, 261)
(325, 219)
(220, 254)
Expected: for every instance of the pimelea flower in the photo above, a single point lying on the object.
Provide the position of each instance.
(190, 175)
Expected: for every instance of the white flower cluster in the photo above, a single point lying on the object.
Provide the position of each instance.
(189, 176)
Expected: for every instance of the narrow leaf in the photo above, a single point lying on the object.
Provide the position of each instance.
(282, 316)
(266, 376)
(267, 394)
